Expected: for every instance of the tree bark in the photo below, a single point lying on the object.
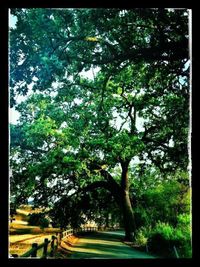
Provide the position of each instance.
(122, 197)
(127, 211)
(107, 220)
(128, 216)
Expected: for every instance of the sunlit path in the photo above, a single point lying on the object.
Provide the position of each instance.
(105, 245)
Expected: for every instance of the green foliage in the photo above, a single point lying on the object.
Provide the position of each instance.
(152, 191)
(184, 219)
(164, 230)
(183, 235)
(38, 219)
(141, 238)
(44, 222)
(164, 209)
(164, 237)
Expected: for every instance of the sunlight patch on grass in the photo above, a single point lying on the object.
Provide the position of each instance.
(20, 229)
(38, 239)
(25, 243)
(16, 238)
(21, 226)
(19, 248)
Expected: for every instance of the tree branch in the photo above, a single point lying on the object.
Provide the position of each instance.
(148, 54)
(108, 185)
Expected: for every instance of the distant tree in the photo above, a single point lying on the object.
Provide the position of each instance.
(38, 219)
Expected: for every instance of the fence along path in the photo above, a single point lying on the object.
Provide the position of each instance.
(47, 250)
(54, 242)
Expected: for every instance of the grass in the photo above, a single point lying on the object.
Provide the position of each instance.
(18, 229)
(22, 235)
(21, 244)
(26, 209)
(19, 249)
(20, 225)
(17, 238)
(21, 217)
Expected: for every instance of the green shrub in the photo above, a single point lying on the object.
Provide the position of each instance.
(160, 239)
(184, 219)
(164, 229)
(164, 237)
(141, 239)
(44, 222)
(182, 236)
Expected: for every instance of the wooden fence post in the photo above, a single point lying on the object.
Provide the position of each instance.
(59, 238)
(56, 245)
(34, 252)
(46, 242)
(52, 246)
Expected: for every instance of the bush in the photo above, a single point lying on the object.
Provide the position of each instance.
(163, 229)
(164, 237)
(182, 241)
(44, 222)
(140, 239)
(182, 235)
(142, 236)
(159, 241)
(184, 219)
(38, 219)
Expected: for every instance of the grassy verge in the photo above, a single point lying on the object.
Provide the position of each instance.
(19, 229)
(21, 244)
(22, 235)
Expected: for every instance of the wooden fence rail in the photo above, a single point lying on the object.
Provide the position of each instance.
(55, 242)
(35, 247)
(78, 230)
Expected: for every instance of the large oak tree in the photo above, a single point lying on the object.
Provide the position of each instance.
(78, 131)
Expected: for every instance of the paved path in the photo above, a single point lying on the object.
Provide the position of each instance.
(105, 245)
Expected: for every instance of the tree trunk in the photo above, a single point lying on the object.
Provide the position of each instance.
(127, 211)
(121, 195)
(128, 216)
(107, 220)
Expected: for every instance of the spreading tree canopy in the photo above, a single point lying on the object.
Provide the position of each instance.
(104, 90)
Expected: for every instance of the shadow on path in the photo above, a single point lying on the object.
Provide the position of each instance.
(105, 245)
